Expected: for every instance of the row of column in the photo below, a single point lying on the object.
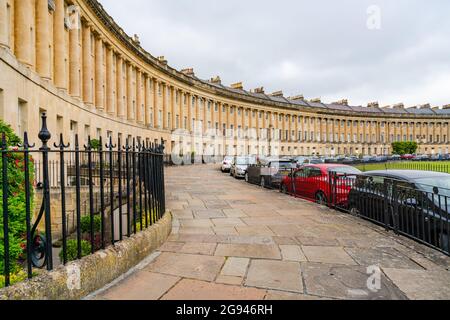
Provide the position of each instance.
(135, 94)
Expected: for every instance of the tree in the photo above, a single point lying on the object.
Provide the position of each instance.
(402, 148)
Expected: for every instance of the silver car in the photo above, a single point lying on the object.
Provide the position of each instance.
(240, 165)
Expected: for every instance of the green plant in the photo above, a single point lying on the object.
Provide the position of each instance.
(404, 147)
(86, 224)
(16, 200)
(95, 144)
(17, 277)
(72, 250)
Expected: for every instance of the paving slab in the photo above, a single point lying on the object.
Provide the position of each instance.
(292, 253)
(255, 231)
(228, 222)
(188, 266)
(248, 251)
(421, 284)
(234, 213)
(188, 289)
(236, 267)
(209, 214)
(335, 255)
(383, 257)
(274, 295)
(142, 285)
(279, 275)
(346, 282)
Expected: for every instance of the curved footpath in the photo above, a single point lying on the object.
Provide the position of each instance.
(232, 240)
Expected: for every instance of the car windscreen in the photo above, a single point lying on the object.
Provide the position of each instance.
(344, 170)
(282, 164)
(245, 161)
(428, 184)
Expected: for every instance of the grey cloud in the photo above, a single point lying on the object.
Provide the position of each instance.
(321, 48)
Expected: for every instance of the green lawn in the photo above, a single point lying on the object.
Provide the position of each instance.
(439, 166)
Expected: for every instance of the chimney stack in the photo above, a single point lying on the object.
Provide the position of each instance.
(162, 60)
(425, 106)
(259, 90)
(343, 102)
(216, 80)
(277, 94)
(298, 97)
(374, 104)
(316, 100)
(446, 107)
(136, 40)
(189, 72)
(399, 106)
(237, 85)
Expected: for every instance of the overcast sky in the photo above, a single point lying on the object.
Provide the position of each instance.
(317, 48)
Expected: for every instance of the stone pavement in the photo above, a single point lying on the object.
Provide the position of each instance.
(235, 241)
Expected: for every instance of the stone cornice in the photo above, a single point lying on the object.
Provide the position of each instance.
(109, 23)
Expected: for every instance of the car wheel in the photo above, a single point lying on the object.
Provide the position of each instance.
(284, 189)
(321, 198)
(246, 177)
(263, 182)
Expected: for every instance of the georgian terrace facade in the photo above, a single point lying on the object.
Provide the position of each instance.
(70, 60)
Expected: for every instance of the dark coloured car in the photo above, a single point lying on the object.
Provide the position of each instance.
(270, 174)
(416, 203)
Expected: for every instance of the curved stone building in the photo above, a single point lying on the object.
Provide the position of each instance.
(68, 58)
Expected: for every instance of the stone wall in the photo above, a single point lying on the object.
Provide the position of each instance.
(80, 278)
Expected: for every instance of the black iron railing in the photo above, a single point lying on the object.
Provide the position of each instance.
(417, 210)
(111, 192)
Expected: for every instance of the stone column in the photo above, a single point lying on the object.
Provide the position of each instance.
(164, 106)
(189, 112)
(87, 65)
(23, 21)
(130, 110)
(148, 120)
(110, 107)
(181, 108)
(42, 39)
(139, 111)
(119, 86)
(155, 103)
(99, 83)
(173, 108)
(4, 36)
(74, 63)
(59, 45)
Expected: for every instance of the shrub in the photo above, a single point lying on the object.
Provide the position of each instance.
(86, 224)
(16, 201)
(402, 148)
(72, 250)
(14, 278)
(95, 144)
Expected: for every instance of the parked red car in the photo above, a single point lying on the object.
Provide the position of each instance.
(313, 182)
(407, 157)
